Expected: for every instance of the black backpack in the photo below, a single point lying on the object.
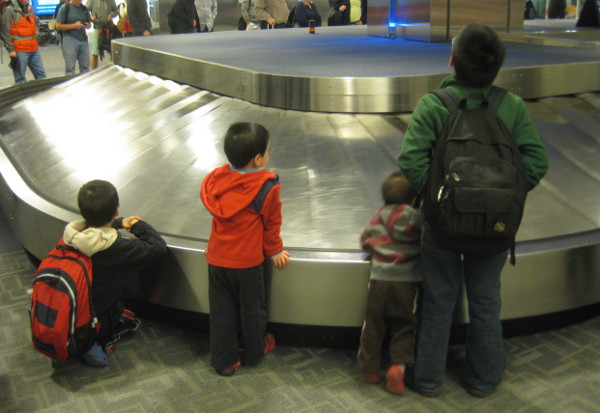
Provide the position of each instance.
(477, 185)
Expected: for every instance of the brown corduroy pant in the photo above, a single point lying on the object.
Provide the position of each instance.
(390, 305)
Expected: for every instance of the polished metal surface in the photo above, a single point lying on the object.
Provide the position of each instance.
(439, 20)
(156, 140)
(494, 13)
(537, 33)
(341, 69)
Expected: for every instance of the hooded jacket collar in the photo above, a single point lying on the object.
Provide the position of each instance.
(89, 240)
(452, 81)
(225, 192)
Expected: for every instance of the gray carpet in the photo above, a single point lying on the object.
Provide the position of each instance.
(166, 369)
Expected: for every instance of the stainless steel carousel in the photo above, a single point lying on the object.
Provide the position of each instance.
(336, 104)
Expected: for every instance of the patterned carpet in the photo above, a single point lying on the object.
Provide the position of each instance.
(162, 368)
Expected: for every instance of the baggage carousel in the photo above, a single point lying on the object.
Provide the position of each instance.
(336, 104)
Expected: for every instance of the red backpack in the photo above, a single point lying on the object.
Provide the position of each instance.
(63, 320)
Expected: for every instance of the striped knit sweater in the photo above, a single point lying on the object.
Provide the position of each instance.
(392, 239)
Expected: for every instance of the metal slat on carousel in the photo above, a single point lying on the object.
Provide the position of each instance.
(156, 139)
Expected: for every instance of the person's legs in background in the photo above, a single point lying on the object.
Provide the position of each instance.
(20, 71)
(69, 48)
(83, 56)
(36, 65)
(94, 48)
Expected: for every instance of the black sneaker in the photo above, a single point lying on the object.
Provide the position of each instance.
(127, 322)
(427, 393)
(480, 393)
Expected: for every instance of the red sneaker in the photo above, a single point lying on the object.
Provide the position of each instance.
(370, 378)
(269, 343)
(128, 314)
(229, 371)
(395, 379)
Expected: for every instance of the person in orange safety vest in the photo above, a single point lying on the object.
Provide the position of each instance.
(18, 31)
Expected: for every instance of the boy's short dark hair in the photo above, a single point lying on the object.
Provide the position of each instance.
(243, 141)
(98, 201)
(478, 54)
(397, 190)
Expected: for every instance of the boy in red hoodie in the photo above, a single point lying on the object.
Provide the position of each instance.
(243, 198)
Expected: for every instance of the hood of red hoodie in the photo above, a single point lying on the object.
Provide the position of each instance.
(226, 192)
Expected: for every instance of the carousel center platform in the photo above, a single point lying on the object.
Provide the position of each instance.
(336, 105)
(342, 69)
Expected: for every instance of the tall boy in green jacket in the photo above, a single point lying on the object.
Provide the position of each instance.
(477, 55)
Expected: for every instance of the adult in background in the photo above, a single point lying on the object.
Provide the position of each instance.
(137, 14)
(102, 12)
(358, 12)
(183, 17)
(273, 13)
(18, 31)
(207, 12)
(306, 11)
(72, 20)
(123, 22)
(247, 7)
(339, 13)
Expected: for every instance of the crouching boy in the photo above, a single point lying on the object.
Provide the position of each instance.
(116, 260)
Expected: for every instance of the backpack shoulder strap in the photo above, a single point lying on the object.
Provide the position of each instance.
(260, 198)
(448, 98)
(495, 98)
(62, 245)
(66, 247)
(68, 6)
(452, 103)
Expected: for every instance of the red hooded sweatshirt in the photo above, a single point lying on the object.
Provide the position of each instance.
(246, 214)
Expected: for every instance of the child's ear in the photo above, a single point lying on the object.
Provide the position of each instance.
(256, 160)
(451, 61)
(117, 212)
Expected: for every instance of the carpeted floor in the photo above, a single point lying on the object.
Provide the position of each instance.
(162, 368)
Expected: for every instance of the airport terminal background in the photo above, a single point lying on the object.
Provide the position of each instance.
(165, 367)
